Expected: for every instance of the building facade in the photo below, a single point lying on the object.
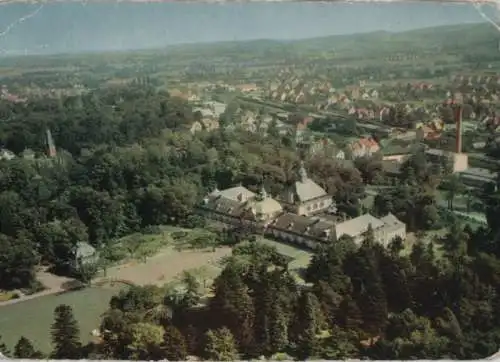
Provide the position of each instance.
(303, 219)
(305, 197)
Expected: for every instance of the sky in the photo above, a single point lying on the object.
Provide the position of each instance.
(77, 27)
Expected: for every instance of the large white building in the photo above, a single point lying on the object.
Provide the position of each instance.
(302, 219)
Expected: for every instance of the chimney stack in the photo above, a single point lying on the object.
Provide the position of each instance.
(458, 121)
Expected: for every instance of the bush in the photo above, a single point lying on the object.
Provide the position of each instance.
(35, 287)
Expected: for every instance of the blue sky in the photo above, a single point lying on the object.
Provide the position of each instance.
(65, 27)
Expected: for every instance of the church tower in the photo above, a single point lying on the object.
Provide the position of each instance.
(51, 148)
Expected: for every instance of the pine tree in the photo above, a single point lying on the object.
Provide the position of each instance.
(308, 324)
(350, 316)
(233, 306)
(395, 283)
(278, 331)
(363, 268)
(220, 345)
(24, 349)
(174, 344)
(65, 334)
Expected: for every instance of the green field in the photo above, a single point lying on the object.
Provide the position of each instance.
(33, 318)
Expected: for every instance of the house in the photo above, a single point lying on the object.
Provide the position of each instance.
(84, 254)
(304, 196)
(364, 147)
(384, 229)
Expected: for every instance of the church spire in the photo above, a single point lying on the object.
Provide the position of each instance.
(262, 193)
(302, 172)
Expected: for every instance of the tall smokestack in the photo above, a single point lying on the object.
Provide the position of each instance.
(458, 121)
(50, 144)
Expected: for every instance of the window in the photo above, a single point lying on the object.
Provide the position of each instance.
(315, 206)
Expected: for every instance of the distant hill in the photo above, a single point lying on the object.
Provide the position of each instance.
(480, 39)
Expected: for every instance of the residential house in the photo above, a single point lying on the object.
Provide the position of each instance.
(364, 147)
(84, 254)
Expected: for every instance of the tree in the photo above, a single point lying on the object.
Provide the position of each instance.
(232, 305)
(307, 325)
(3, 348)
(220, 345)
(174, 344)
(65, 334)
(25, 350)
(17, 262)
(193, 289)
(278, 331)
(146, 340)
(454, 187)
(340, 345)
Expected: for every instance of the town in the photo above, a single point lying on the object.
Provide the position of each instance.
(325, 198)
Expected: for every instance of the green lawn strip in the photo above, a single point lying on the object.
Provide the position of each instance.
(33, 318)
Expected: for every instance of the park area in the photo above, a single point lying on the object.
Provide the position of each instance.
(156, 258)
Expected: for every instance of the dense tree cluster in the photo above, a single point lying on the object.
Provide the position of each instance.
(125, 161)
(359, 302)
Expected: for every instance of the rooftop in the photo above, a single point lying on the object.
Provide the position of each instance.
(357, 226)
(234, 192)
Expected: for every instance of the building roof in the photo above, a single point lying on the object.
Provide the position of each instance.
(306, 189)
(437, 152)
(391, 167)
(234, 192)
(390, 220)
(84, 250)
(357, 226)
(220, 204)
(267, 206)
(479, 172)
(303, 225)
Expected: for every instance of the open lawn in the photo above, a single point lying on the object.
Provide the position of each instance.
(168, 264)
(154, 259)
(33, 318)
